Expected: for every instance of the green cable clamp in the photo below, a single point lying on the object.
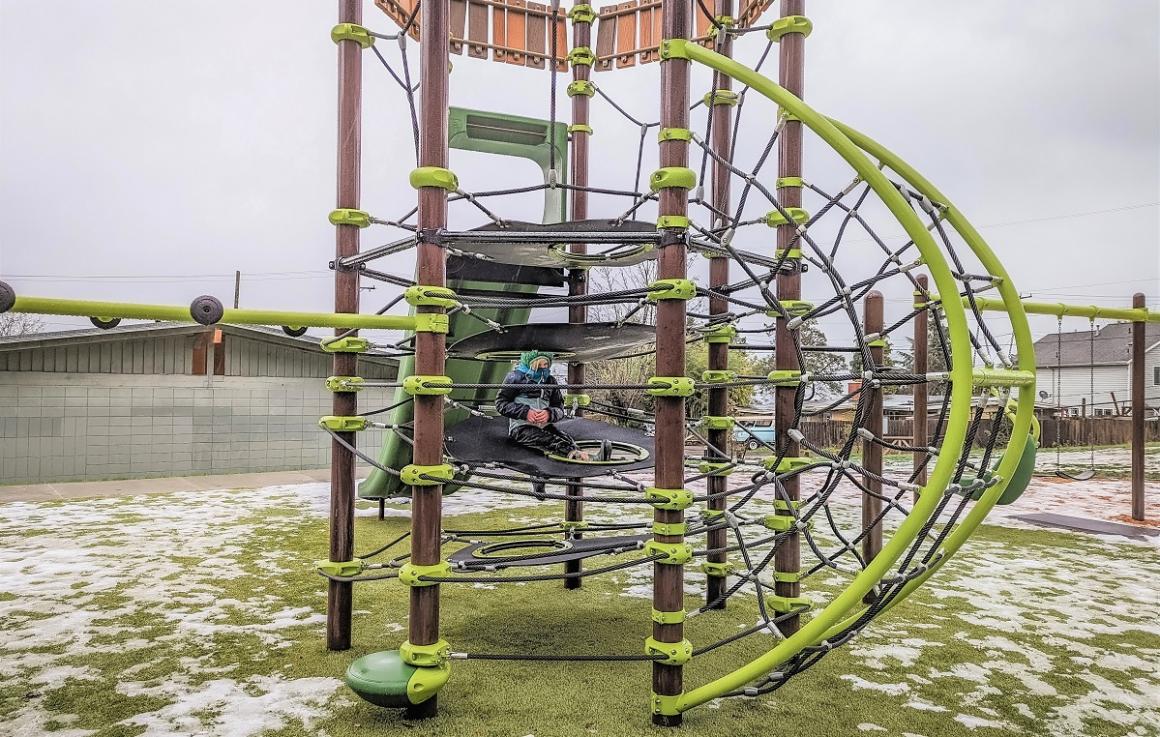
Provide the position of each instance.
(424, 683)
(876, 343)
(783, 114)
(432, 322)
(434, 176)
(787, 604)
(672, 289)
(413, 475)
(426, 386)
(782, 505)
(425, 656)
(672, 177)
(792, 307)
(716, 468)
(669, 499)
(670, 386)
(345, 568)
(581, 56)
(917, 304)
(711, 422)
(343, 424)
(789, 183)
(572, 525)
(787, 576)
(349, 216)
(410, 574)
(795, 252)
(785, 377)
(582, 13)
(345, 383)
(581, 87)
(665, 705)
(345, 345)
(669, 528)
(774, 218)
(789, 464)
(673, 48)
(789, 24)
(675, 653)
(784, 523)
(718, 376)
(679, 222)
(1002, 377)
(674, 134)
(712, 514)
(720, 97)
(668, 617)
(428, 296)
(720, 334)
(577, 400)
(675, 554)
(718, 570)
(352, 32)
(721, 21)
(580, 128)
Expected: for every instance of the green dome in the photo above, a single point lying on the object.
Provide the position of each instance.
(381, 678)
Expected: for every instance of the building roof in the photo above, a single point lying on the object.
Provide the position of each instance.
(1112, 345)
(163, 330)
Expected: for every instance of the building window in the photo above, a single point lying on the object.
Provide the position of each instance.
(1156, 376)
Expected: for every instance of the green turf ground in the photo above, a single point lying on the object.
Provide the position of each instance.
(200, 615)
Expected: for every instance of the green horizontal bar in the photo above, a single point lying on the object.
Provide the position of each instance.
(173, 313)
(1060, 309)
(1003, 377)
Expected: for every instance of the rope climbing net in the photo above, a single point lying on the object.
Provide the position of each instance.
(867, 532)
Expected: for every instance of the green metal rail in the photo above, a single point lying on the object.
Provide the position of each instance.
(176, 313)
(1060, 309)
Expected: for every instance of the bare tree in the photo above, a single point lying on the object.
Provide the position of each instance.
(14, 324)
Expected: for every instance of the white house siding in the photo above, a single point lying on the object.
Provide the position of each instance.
(1075, 386)
(74, 426)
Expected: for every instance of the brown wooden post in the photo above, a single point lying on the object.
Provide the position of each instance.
(722, 126)
(578, 278)
(346, 293)
(919, 428)
(872, 321)
(1139, 345)
(430, 348)
(668, 579)
(791, 74)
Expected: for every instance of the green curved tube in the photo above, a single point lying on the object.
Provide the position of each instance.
(1024, 414)
(961, 376)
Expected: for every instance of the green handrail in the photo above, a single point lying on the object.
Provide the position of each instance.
(961, 374)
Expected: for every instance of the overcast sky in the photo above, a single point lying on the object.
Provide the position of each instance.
(148, 149)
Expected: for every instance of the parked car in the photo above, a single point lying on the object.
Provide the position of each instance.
(759, 427)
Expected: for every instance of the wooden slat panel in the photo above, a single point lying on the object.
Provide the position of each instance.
(70, 359)
(561, 43)
(219, 357)
(605, 38)
(106, 358)
(138, 356)
(151, 350)
(458, 21)
(200, 354)
(537, 45)
(626, 42)
(704, 22)
(117, 358)
(517, 29)
(477, 29)
(647, 28)
(499, 32)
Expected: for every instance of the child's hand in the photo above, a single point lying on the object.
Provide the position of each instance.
(538, 417)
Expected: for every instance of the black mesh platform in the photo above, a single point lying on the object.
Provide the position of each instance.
(594, 341)
(481, 440)
(545, 245)
(540, 551)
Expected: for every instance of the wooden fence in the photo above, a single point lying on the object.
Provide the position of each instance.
(1069, 431)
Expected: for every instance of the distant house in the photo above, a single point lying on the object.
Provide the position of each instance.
(1069, 364)
(164, 399)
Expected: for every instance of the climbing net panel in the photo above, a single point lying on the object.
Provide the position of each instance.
(820, 537)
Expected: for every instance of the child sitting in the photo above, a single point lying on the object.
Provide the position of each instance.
(532, 403)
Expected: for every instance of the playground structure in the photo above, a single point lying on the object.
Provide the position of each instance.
(475, 291)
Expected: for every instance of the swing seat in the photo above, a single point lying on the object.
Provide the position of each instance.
(1085, 475)
(1020, 478)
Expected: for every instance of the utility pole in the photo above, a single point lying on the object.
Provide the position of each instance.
(237, 288)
